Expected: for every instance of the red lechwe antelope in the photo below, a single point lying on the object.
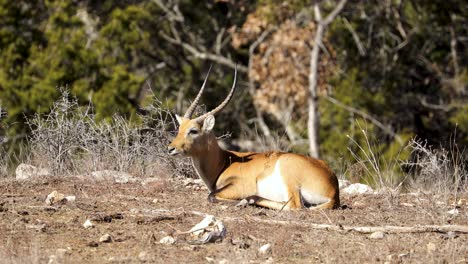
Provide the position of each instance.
(274, 180)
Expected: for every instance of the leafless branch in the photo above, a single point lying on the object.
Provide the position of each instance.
(333, 13)
(313, 122)
(361, 49)
(362, 229)
(158, 213)
(174, 16)
(453, 51)
(205, 55)
(366, 116)
(440, 107)
(261, 122)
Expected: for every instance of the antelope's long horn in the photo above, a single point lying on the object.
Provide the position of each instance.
(224, 103)
(192, 107)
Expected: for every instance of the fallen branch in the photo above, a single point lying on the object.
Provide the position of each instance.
(363, 229)
(327, 227)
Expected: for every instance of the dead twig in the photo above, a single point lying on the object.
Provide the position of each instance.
(327, 227)
(363, 229)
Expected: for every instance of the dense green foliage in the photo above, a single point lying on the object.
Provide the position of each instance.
(410, 72)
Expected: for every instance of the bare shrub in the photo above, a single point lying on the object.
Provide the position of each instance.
(437, 170)
(69, 140)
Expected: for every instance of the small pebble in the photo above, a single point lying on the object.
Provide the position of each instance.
(105, 238)
(168, 240)
(88, 224)
(265, 249)
(377, 235)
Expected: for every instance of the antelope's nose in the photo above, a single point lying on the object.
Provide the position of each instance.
(171, 150)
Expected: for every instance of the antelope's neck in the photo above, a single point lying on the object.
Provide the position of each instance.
(209, 162)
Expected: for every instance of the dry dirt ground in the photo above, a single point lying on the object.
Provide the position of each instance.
(32, 232)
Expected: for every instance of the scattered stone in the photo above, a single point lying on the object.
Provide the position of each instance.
(431, 247)
(240, 243)
(377, 235)
(208, 230)
(357, 188)
(155, 200)
(407, 204)
(70, 198)
(88, 224)
(39, 227)
(92, 244)
(450, 235)
(390, 259)
(210, 259)
(61, 252)
(53, 259)
(343, 183)
(242, 203)
(106, 238)
(111, 175)
(152, 181)
(26, 171)
(55, 197)
(265, 249)
(223, 261)
(359, 204)
(167, 240)
(402, 256)
(143, 256)
(453, 212)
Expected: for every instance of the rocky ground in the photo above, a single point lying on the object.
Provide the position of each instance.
(145, 221)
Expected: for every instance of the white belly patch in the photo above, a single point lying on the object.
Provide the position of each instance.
(273, 187)
(312, 198)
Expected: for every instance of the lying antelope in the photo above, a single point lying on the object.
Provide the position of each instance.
(274, 180)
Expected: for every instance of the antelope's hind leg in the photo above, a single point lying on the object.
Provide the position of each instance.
(292, 204)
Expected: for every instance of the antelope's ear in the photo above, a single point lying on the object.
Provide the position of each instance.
(179, 119)
(208, 123)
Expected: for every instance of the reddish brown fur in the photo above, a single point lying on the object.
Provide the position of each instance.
(233, 176)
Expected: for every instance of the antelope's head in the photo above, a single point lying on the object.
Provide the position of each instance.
(193, 133)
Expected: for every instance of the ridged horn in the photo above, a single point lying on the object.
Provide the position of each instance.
(224, 103)
(192, 107)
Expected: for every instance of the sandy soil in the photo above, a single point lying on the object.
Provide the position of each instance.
(33, 232)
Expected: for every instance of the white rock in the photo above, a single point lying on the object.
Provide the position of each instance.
(167, 240)
(70, 198)
(453, 212)
(106, 238)
(265, 249)
(88, 224)
(343, 183)
(208, 230)
(54, 197)
(26, 171)
(357, 188)
(116, 176)
(223, 261)
(61, 252)
(143, 256)
(431, 247)
(377, 235)
(53, 259)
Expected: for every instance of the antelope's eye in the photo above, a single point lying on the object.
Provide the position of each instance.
(193, 131)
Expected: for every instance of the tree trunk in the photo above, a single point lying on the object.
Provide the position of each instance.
(313, 123)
